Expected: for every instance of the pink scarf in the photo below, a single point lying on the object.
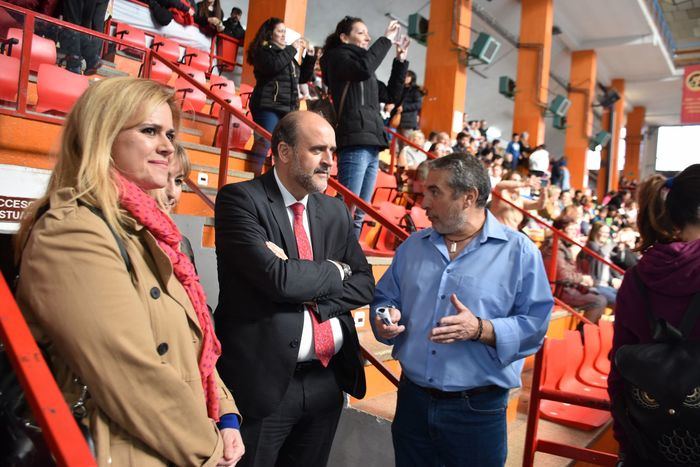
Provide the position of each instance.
(145, 210)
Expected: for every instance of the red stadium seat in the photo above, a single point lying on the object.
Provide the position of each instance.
(160, 71)
(193, 100)
(385, 188)
(239, 132)
(587, 374)
(420, 218)
(574, 358)
(222, 88)
(602, 363)
(43, 50)
(245, 91)
(58, 88)
(385, 241)
(131, 35)
(196, 58)
(9, 78)
(167, 48)
(198, 75)
(554, 365)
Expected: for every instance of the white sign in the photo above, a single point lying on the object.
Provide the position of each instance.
(19, 187)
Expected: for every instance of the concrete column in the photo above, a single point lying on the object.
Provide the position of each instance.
(633, 142)
(609, 181)
(445, 70)
(534, 57)
(582, 80)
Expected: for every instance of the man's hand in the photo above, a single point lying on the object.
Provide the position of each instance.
(389, 332)
(233, 447)
(587, 281)
(460, 327)
(279, 252)
(616, 282)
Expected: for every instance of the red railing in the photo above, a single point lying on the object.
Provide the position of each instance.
(59, 428)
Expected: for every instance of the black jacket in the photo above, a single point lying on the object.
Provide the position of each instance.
(234, 29)
(411, 101)
(260, 317)
(361, 122)
(277, 75)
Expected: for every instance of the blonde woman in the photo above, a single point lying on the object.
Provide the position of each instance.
(410, 157)
(106, 290)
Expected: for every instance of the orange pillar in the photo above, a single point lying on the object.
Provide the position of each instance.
(534, 57)
(633, 142)
(580, 115)
(445, 70)
(610, 180)
(292, 12)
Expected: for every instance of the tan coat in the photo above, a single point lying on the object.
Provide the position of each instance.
(133, 340)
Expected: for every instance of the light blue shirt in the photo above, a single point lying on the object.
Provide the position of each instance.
(499, 276)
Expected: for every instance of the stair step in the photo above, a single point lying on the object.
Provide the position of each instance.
(109, 72)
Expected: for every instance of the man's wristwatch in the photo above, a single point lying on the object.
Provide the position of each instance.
(347, 271)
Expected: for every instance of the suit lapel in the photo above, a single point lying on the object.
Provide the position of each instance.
(279, 212)
(318, 239)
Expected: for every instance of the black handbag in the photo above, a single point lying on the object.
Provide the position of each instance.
(324, 106)
(21, 440)
(660, 407)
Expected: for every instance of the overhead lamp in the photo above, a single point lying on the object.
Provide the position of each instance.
(600, 140)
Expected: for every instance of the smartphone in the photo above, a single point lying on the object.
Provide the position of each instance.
(384, 315)
(544, 182)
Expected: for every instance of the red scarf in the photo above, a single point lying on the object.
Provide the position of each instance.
(145, 210)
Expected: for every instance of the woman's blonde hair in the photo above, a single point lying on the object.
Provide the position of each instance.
(85, 156)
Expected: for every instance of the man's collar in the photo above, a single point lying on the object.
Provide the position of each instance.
(492, 229)
(287, 197)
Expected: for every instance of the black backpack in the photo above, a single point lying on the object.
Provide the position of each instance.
(660, 407)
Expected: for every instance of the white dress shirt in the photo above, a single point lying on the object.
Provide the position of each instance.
(306, 344)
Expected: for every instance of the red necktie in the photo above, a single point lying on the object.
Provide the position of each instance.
(324, 345)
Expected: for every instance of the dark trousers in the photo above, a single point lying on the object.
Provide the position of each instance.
(432, 432)
(300, 431)
(89, 14)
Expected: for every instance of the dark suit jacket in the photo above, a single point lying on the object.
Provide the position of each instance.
(259, 319)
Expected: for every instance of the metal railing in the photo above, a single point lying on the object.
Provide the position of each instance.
(58, 427)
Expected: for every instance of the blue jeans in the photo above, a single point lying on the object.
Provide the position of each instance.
(357, 170)
(431, 432)
(267, 119)
(610, 294)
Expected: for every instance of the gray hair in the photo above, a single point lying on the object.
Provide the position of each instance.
(466, 173)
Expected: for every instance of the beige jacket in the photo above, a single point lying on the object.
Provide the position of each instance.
(134, 340)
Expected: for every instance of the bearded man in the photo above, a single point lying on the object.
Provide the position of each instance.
(290, 270)
(469, 299)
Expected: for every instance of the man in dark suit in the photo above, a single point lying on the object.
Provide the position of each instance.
(290, 270)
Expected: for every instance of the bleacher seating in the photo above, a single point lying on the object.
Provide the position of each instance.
(602, 363)
(574, 355)
(43, 50)
(196, 58)
(167, 48)
(591, 349)
(58, 88)
(131, 35)
(555, 362)
(9, 78)
(385, 188)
